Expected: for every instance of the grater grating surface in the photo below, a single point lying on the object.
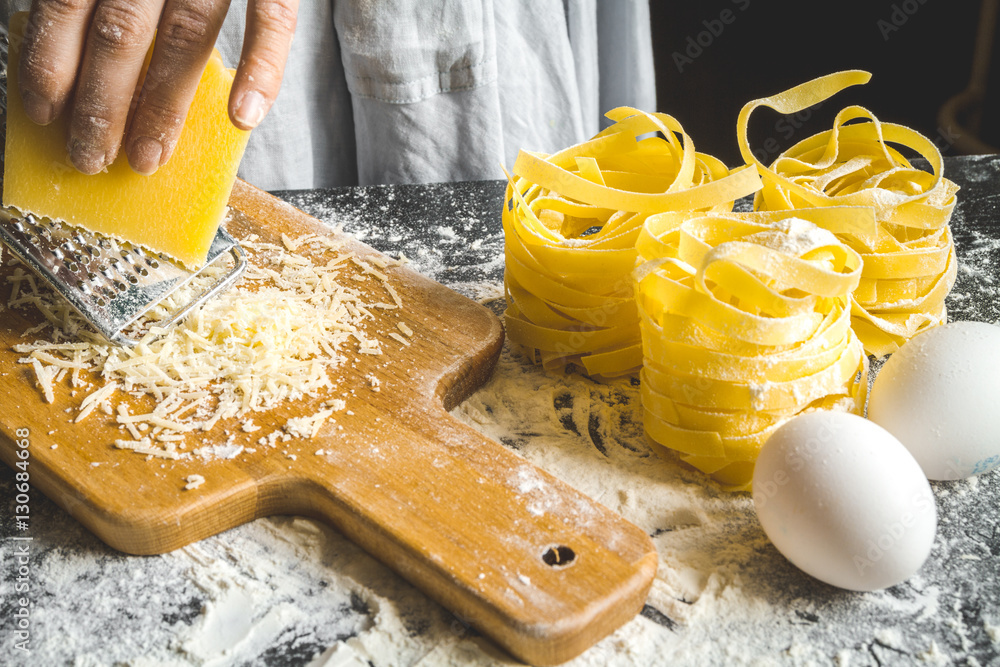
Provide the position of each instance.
(110, 283)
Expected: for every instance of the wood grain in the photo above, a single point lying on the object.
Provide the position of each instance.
(459, 515)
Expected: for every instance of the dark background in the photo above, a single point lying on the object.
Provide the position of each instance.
(920, 55)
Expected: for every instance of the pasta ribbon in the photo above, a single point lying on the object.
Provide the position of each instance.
(909, 264)
(746, 322)
(571, 221)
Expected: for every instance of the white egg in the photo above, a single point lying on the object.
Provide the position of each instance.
(844, 501)
(939, 394)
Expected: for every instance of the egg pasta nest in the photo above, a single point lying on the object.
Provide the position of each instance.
(746, 322)
(910, 265)
(623, 253)
(571, 221)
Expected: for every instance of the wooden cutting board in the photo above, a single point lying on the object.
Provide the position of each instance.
(539, 567)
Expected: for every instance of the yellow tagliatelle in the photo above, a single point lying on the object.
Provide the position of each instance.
(910, 264)
(571, 221)
(746, 322)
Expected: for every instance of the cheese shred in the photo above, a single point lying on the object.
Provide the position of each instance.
(280, 336)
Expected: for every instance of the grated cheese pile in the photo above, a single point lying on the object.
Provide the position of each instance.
(278, 336)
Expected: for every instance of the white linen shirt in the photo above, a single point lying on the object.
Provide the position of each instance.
(419, 91)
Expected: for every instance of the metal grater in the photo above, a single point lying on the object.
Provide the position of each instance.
(110, 283)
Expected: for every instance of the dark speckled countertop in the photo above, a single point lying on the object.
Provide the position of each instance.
(288, 591)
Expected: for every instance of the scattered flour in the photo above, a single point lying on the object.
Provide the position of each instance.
(722, 594)
(292, 591)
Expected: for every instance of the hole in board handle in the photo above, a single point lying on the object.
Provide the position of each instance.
(560, 556)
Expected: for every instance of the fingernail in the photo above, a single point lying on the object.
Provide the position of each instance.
(85, 159)
(37, 107)
(250, 110)
(145, 155)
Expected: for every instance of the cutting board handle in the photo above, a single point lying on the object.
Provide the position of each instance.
(498, 541)
(534, 564)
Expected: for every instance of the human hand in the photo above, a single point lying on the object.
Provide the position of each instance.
(84, 58)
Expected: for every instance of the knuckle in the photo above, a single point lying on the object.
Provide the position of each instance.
(265, 65)
(43, 67)
(41, 77)
(92, 118)
(119, 24)
(188, 29)
(276, 15)
(65, 7)
(157, 119)
(92, 131)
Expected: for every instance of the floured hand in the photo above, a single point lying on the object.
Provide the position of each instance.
(85, 58)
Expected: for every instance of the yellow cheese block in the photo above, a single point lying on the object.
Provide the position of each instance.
(176, 211)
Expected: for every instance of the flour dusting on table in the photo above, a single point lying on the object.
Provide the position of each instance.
(718, 575)
(291, 591)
